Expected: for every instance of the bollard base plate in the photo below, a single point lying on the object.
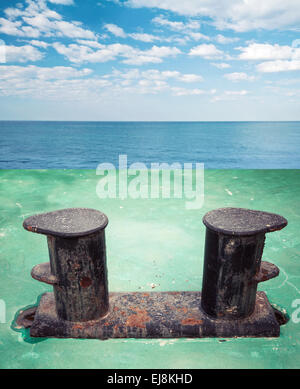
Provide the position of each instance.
(155, 315)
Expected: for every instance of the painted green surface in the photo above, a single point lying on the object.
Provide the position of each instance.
(149, 241)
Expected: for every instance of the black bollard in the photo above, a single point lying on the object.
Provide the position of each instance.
(77, 268)
(232, 261)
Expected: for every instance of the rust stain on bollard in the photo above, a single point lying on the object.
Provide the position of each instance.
(190, 321)
(85, 282)
(139, 319)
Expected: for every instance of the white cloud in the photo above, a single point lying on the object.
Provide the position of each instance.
(190, 78)
(130, 55)
(225, 40)
(63, 2)
(277, 58)
(286, 82)
(115, 30)
(41, 44)
(221, 65)
(207, 51)
(67, 83)
(239, 15)
(236, 93)
(119, 32)
(144, 37)
(153, 81)
(185, 29)
(187, 92)
(177, 91)
(42, 73)
(154, 74)
(45, 83)
(229, 95)
(81, 53)
(265, 51)
(176, 26)
(89, 43)
(278, 66)
(185, 32)
(16, 28)
(179, 39)
(25, 53)
(38, 20)
(197, 36)
(235, 77)
(59, 28)
(150, 87)
(154, 55)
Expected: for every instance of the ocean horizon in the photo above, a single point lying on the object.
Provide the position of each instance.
(85, 144)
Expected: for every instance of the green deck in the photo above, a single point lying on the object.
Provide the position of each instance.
(148, 241)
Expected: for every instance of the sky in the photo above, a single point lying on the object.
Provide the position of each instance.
(150, 60)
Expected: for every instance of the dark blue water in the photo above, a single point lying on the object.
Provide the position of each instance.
(220, 145)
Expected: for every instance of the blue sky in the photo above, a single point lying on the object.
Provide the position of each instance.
(149, 60)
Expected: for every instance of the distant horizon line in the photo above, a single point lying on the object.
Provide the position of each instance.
(151, 121)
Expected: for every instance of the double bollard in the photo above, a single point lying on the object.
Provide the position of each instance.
(81, 306)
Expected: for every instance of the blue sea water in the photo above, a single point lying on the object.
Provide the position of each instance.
(83, 145)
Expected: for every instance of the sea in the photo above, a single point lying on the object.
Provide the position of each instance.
(84, 145)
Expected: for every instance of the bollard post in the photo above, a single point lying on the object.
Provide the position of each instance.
(234, 246)
(77, 268)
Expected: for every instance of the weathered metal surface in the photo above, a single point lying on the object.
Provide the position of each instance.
(243, 222)
(79, 264)
(70, 222)
(77, 268)
(42, 273)
(234, 244)
(266, 272)
(230, 265)
(155, 315)
(26, 317)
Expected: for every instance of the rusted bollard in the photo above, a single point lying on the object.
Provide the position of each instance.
(77, 268)
(232, 260)
(80, 307)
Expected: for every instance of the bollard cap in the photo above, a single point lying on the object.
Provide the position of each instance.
(243, 222)
(70, 222)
